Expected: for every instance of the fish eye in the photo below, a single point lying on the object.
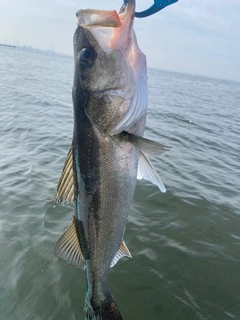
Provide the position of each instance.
(87, 56)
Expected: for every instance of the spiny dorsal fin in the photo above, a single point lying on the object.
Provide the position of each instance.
(68, 247)
(65, 188)
(122, 252)
(147, 171)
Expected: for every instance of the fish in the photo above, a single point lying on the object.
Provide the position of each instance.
(108, 151)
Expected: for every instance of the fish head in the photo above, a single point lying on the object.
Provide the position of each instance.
(110, 69)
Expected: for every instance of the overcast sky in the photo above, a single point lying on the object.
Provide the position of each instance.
(191, 36)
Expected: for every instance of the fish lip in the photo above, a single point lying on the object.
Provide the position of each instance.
(110, 17)
(129, 8)
(90, 18)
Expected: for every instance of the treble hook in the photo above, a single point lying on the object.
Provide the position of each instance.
(157, 6)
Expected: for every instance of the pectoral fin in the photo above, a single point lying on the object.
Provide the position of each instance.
(145, 168)
(65, 188)
(122, 252)
(147, 146)
(68, 247)
(147, 171)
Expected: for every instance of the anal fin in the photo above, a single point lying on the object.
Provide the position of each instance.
(65, 188)
(122, 252)
(68, 246)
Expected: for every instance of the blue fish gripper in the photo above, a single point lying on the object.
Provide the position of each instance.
(157, 6)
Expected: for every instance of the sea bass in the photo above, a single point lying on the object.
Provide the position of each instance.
(108, 151)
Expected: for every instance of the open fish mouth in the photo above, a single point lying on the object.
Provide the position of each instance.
(119, 25)
(105, 18)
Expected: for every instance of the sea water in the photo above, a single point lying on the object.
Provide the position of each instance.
(185, 243)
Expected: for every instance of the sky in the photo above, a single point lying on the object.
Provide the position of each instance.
(191, 36)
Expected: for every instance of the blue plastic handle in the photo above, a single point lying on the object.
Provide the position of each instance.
(157, 6)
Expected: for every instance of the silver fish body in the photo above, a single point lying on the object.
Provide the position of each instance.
(104, 199)
(100, 173)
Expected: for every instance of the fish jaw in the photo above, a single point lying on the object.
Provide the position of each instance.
(110, 28)
(119, 71)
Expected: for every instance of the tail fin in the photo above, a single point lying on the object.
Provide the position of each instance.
(106, 311)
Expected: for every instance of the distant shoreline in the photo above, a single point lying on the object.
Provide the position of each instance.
(7, 45)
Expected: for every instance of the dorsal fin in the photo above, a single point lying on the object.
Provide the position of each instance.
(122, 252)
(65, 188)
(68, 247)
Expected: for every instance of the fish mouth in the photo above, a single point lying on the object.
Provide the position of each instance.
(105, 18)
(110, 29)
